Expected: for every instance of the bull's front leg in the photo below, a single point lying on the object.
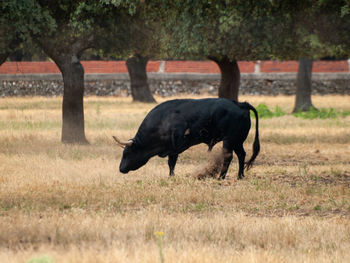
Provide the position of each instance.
(172, 162)
(227, 160)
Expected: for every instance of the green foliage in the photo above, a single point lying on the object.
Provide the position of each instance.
(160, 235)
(44, 259)
(27, 51)
(136, 32)
(264, 112)
(66, 26)
(252, 30)
(18, 20)
(239, 30)
(333, 25)
(317, 208)
(313, 113)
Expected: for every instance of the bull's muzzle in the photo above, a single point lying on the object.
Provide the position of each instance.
(123, 170)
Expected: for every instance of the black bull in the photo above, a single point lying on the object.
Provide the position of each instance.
(173, 126)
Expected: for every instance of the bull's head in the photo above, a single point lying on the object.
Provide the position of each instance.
(133, 157)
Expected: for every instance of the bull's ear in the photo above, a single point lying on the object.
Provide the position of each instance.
(187, 132)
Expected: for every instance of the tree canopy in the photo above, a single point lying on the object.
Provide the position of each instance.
(18, 21)
(332, 25)
(230, 30)
(224, 31)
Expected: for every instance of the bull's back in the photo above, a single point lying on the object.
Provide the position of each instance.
(191, 108)
(198, 113)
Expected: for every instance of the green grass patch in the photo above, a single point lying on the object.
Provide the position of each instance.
(31, 105)
(29, 125)
(264, 112)
(43, 259)
(313, 113)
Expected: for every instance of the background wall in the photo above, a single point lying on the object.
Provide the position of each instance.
(176, 67)
(166, 78)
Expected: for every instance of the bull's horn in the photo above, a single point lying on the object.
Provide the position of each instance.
(123, 143)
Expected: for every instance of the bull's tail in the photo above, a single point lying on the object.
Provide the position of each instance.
(256, 144)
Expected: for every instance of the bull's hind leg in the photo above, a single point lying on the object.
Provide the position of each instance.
(172, 162)
(239, 150)
(227, 160)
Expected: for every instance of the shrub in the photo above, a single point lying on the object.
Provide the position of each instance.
(265, 112)
(313, 113)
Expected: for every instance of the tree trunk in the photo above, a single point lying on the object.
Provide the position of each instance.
(140, 90)
(66, 52)
(303, 91)
(230, 78)
(73, 100)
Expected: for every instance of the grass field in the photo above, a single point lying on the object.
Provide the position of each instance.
(62, 203)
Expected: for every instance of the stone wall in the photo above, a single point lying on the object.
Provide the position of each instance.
(171, 84)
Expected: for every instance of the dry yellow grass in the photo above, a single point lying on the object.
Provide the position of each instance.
(70, 203)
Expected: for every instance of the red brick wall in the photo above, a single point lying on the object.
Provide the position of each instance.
(331, 66)
(173, 67)
(104, 66)
(292, 66)
(278, 66)
(28, 67)
(246, 66)
(191, 67)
